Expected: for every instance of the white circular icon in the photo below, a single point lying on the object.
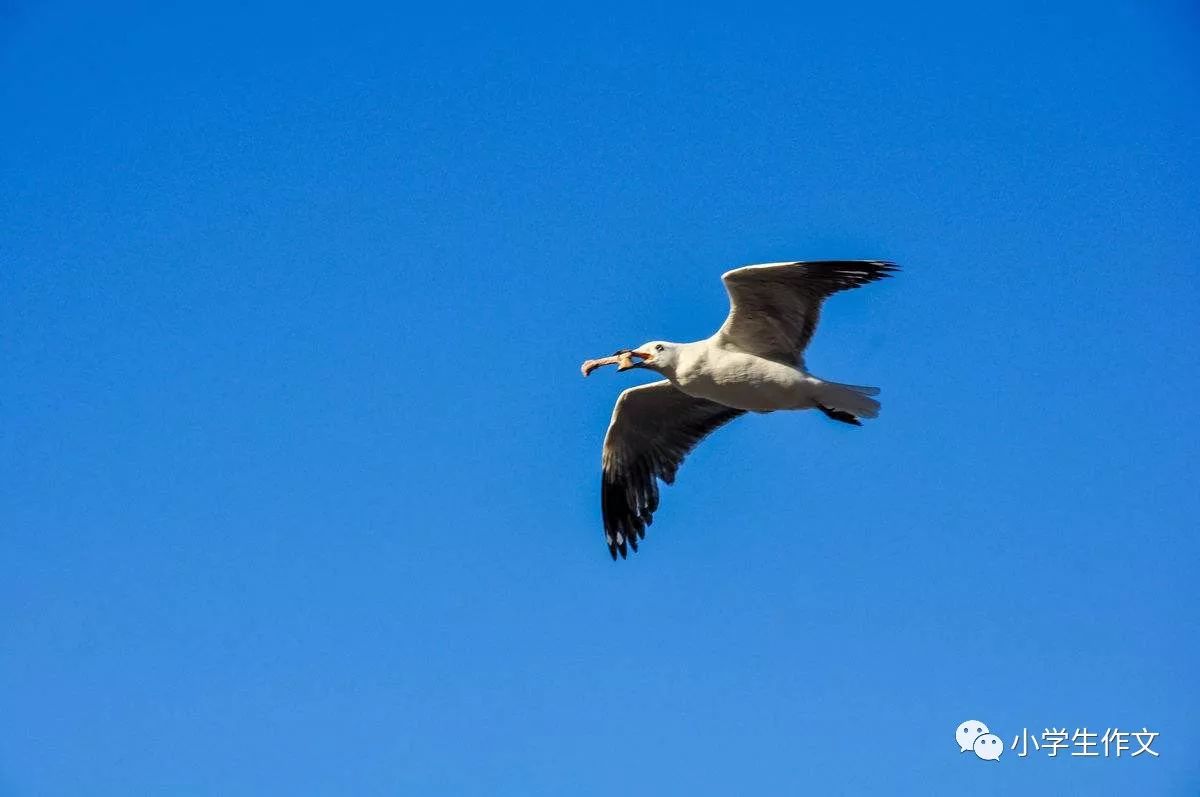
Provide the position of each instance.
(967, 733)
(988, 746)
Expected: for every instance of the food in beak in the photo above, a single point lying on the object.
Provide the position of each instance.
(622, 359)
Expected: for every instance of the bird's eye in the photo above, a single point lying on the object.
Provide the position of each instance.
(658, 347)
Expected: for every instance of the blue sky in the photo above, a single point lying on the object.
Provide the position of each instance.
(299, 480)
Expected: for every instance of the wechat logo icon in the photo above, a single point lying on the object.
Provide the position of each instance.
(973, 735)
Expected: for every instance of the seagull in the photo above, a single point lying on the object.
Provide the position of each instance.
(753, 363)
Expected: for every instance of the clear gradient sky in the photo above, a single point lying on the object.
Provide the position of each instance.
(299, 480)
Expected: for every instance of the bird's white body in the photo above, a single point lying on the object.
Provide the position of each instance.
(738, 379)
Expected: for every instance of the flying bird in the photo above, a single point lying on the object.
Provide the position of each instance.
(753, 363)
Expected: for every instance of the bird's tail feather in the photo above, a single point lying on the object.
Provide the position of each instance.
(854, 399)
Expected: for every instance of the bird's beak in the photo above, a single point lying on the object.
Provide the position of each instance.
(627, 361)
(622, 359)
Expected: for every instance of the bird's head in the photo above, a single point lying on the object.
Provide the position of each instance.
(656, 355)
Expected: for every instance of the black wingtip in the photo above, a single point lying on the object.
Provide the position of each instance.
(881, 268)
(842, 275)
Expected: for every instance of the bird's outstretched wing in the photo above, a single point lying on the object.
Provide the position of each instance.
(774, 308)
(653, 428)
